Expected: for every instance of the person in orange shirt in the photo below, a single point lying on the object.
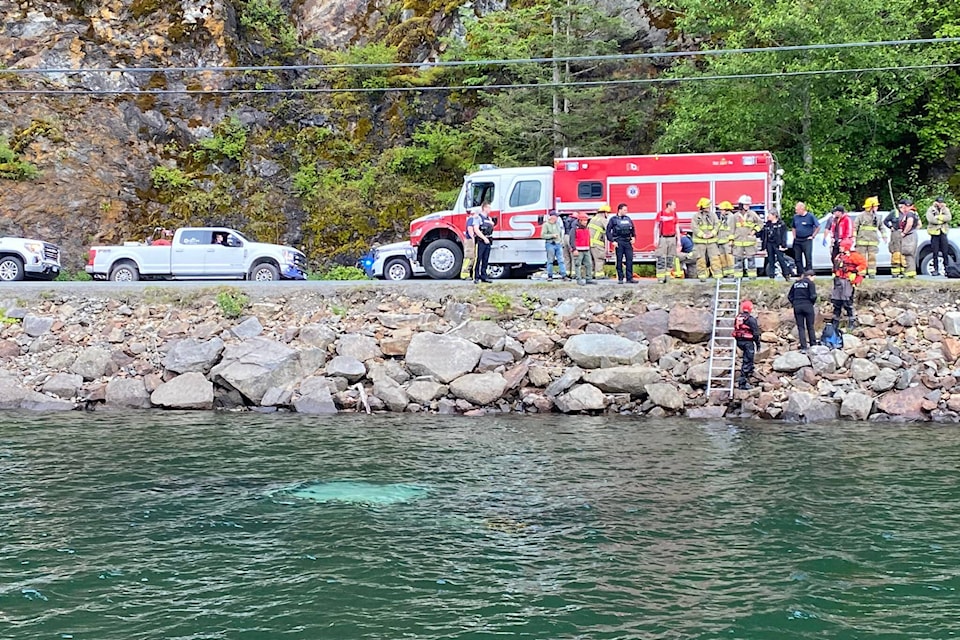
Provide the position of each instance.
(849, 269)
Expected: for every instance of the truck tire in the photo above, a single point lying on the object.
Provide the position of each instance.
(442, 259)
(125, 271)
(11, 269)
(397, 269)
(264, 272)
(499, 271)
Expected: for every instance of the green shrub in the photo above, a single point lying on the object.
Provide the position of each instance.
(77, 276)
(339, 272)
(228, 141)
(169, 179)
(232, 302)
(12, 167)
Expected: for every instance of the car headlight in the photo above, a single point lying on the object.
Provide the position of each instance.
(34, 247)
(289, 256)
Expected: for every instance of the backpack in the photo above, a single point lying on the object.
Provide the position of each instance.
(831, 336)
(952, 271)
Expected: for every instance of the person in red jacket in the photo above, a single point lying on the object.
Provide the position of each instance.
(580, 250)
(849, 269)
(838, 228)
(665, 237)
(746, 331)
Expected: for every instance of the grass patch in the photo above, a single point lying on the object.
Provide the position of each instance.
(232, 302)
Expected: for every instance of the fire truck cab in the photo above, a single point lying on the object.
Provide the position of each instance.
(521, 197)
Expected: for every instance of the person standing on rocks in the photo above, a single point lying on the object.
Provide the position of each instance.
(894, 242)
(805, 228)
(909, 221)
(938, 224)
(705, 241)
(552, 234)
(803, 297)
(620, 230)
(482, 231)
(746, 331)
(580, 249)
(665, 238)
(867, 234)
(849, 269)
(598, 237)
(746, 225)
(469, 249)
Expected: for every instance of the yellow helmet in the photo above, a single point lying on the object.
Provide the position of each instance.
(604, 208)
(703, 203)
(872, 201)
(725, 206)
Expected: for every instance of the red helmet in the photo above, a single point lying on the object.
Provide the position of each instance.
(746, 306)
(846, 244)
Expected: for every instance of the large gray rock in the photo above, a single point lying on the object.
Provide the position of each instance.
(253, 366)
(314, 397)
(92, 363)
(13, 396)
(425, 391)
(595, 351)
(357, 346)
(570, 377)
(248, 328)
(699, 374)
(807, 407)
(35, 326)
(790, 361)
(647, 325)
(188, 391)
(633, 379)
(951, 323)
(392, 394)
(856, 405)
(388, 368)
(862, 369)
(486, 333)
(347, 367)
(822, 360)
(407, 320)
(885, 380)
(444, 357)
(192, 355)
(127, 393)
(63, 385)
(570, 309)
(317, 335)
(689, 324)
(479, 388)
(661, 346)
(490, 360)
(666, 395)
(582, 397)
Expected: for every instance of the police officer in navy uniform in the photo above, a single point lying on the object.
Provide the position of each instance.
(620, 230)
(803, 297)
(747, 333)
(482, 231)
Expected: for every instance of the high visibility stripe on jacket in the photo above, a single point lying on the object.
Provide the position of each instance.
(938, 221)
(745, 229)
(866, 229)
(598, 232)
(704, 228)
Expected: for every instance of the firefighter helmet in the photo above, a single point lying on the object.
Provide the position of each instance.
(846, 244)
(725, 206)
(746, 306)
(745, 199)
(872, 201)
(703, 203)
(604, 208)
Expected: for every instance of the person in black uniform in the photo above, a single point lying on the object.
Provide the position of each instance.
(803, 297)
(774, 234)
(482, 231)
(620, 230)
(747, 333)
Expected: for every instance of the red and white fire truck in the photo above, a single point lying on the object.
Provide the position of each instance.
(521, 197)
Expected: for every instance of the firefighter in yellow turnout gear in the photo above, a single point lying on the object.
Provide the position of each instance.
(866, 231)
(705, 240)
(598, 237)
(746, 223)
(725, 238)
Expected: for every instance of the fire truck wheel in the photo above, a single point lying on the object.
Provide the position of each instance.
(442, 259)
(498, 271)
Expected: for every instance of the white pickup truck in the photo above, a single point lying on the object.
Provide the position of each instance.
(197, 253)
(24, 258)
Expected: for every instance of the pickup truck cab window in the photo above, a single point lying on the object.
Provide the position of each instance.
(195, 236)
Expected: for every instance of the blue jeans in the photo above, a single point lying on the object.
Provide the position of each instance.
(555, 252)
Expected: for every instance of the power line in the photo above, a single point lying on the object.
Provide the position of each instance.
(483, 63)
(472, 87)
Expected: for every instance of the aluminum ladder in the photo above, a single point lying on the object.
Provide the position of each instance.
(723, 346)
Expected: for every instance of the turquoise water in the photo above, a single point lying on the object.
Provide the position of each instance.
(186, 526)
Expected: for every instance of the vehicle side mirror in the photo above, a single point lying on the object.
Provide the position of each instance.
(495, 220)
(232, 241)
(540, 219)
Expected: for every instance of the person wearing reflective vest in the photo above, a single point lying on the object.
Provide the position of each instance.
(746, 332)
(938, 224)
(469, 249)
(665, 237)
(725, 238)
(909, 221)
(894, 242)
(867, 234)
(746, 225)
(580, 249)
(598, 237)
(705, 241)
(849, 269)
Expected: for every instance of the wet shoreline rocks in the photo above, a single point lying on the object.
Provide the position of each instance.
(640, 351)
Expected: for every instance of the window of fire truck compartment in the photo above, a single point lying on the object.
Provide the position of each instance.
(589, 190)
(525, 193)
(480, 192)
